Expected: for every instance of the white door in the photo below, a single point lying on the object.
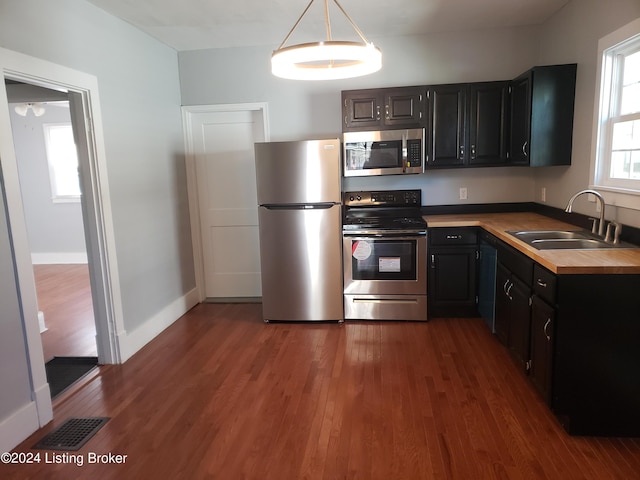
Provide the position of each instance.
(220, 141)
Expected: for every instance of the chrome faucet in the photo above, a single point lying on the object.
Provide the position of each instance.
(600, 199)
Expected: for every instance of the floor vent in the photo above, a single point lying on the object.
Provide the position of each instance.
(72, 434)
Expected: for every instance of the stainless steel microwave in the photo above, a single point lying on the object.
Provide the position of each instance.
(384, 152)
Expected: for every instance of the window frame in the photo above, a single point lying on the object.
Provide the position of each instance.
(622, 192)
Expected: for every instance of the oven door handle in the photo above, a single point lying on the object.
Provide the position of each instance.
(398, 234)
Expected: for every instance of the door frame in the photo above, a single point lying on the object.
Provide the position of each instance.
(189, 113)
(83, 94)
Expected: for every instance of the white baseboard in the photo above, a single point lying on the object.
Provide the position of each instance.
(18, 426)
(58, 258)
(42, 396)
(131, 342)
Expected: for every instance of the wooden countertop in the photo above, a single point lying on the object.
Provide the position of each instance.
(603, 261)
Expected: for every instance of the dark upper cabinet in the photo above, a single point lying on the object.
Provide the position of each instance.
(541, 117)
(488, 123)
(527, 121)
(362, 109)
(446, 122)
(383, 108)
(467, 124)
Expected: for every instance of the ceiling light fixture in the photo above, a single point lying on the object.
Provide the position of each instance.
(328, 60)
(37, 109)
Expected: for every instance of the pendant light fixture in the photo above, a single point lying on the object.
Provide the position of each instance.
(326, 60)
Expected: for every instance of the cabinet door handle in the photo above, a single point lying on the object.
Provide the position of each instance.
(509, 291)
(386, 111)
(378, 112)
(473, 152)
(504, 287)
(524, 148)
(541, 283)
(433, 261)
(454, 237)
(545, 329)
(345, 120)
(461, 152)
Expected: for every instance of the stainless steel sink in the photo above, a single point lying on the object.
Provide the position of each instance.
(570, 243)
(565, 239)
(528, 235)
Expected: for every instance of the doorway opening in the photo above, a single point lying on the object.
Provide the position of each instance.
(52, 199)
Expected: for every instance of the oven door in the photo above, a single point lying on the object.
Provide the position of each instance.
(385, 263)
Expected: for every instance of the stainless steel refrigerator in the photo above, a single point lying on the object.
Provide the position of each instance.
(299, 215)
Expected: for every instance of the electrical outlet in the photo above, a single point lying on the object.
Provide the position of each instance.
(463, 193)
(543, 194)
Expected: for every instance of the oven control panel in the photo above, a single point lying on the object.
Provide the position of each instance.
(388, 198)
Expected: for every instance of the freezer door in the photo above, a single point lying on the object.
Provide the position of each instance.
(301, 260)
(298, 172)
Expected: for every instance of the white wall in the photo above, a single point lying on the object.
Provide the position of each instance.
(312, 109)
(55, 230)
(140, 103)
(572, 36)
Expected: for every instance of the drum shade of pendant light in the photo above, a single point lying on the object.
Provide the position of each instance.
(326, 60)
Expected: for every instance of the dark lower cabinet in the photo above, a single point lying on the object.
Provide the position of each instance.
(541, 353)
(577, 337)
(502, 305)
(520, 321)
(453, 258)
(596, 354)
(513, 318)
(512, 308)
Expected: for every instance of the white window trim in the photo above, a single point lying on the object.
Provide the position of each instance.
(618, 194)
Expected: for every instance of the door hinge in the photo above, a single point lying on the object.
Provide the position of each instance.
(477, 254)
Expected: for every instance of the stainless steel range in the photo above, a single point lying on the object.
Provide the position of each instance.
(384, 251)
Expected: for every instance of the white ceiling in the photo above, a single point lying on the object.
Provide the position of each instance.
(199, 24)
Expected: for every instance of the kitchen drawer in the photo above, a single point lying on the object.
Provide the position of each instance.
(544, 284)
(453, 236)
(517, 263)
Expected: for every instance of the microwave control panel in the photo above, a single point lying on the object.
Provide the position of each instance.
(414, 152)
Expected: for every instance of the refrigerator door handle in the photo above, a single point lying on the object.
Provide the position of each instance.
(300, 206)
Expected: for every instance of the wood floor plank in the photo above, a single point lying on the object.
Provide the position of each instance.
(64, 297)
(221, 395)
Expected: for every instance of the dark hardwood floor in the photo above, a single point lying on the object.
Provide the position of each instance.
(64, 296)
(221, 395)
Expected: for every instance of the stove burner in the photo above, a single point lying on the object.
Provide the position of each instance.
(388, 210)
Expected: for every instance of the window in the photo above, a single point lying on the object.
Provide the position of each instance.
(63, 163)
(616, 166)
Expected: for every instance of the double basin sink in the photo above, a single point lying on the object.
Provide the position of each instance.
(564, 239)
